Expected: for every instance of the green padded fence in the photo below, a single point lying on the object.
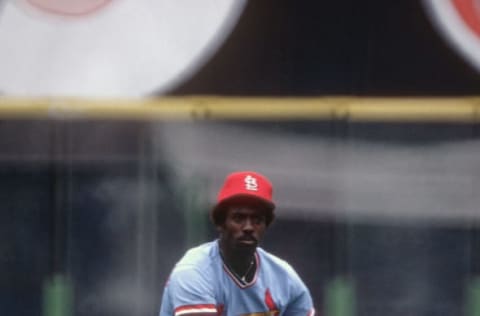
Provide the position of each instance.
(340, 298)
(58, 297)
(472, 307)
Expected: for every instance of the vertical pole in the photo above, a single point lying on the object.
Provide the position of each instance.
(146, 257)
(340, 294)
(58, 290)
(194, 210)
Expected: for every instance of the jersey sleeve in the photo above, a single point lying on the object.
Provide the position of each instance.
(188, 291)
(301, 303)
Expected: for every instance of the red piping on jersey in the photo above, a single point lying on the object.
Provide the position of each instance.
(206, 308)
(240, 285)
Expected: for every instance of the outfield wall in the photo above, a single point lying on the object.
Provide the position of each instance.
(101, 197)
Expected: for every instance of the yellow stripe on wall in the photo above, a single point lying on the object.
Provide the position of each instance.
(402, 109)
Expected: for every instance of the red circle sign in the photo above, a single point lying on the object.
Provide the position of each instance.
(469, 10)
(459, 22)
(69, 7)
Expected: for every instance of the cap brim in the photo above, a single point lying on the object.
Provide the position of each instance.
(246, 198)
(240, 198)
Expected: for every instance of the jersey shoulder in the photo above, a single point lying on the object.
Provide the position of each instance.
(191, 283)
(285, 276)
(200, 258)
(278, 266)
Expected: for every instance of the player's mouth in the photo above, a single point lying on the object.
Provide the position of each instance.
(248, 241)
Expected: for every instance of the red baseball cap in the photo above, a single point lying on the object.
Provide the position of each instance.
(244, 186)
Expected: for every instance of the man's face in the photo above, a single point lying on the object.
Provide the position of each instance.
(244, 227)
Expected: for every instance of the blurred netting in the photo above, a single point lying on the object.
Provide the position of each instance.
(377, 200)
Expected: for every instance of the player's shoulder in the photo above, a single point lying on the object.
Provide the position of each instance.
(280, 269)
(198, 258)
(198, 255)
(196, 269)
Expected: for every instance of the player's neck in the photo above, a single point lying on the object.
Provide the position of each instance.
(242, 265)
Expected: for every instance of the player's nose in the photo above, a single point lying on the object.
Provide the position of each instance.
(248, 226)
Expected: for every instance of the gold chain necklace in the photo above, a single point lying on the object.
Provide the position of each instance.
(241, 278)
(246, 272)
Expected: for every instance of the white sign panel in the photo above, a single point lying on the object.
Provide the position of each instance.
(111, 48)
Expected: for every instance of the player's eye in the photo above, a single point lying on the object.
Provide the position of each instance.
(260, 219)
(238, 218)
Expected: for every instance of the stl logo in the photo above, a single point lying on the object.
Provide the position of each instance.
(251, 183)
(68, 7)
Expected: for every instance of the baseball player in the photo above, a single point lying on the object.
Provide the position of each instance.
(232, 275)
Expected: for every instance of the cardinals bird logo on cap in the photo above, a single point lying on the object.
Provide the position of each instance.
(251, 183)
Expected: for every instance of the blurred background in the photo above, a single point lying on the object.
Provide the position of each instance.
(120, 119)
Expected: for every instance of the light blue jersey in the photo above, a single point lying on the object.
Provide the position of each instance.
(201, 282)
